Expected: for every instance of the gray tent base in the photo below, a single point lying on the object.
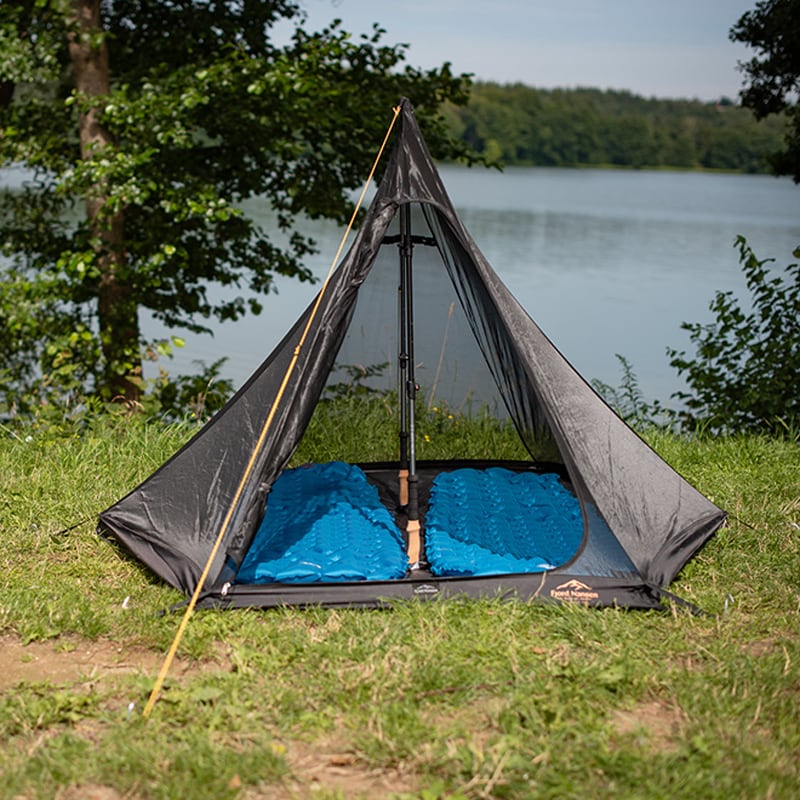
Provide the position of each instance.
(600, 592)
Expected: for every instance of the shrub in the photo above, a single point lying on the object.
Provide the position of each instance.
(745, 375)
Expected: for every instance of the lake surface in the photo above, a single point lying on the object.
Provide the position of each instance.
(605, 261)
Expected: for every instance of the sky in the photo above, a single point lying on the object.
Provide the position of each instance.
(654, 48)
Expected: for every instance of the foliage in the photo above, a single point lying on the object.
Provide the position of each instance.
(46, 346)
(362, 426)
(518, 124)
(745, 375)
(629, 401)
(196, 396)
(772, 29)
(203, 110)
(354, 380)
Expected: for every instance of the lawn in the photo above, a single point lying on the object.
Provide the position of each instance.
(457, 699)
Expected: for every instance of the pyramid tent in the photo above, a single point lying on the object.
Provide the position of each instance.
(590, 513)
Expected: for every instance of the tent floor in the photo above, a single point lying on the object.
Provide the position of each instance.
(337, 522)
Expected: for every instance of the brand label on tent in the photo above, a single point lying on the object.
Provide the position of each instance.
(574, 590)
(426, 588)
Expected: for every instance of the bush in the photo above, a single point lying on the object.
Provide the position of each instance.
(745, 376)
(629, 401)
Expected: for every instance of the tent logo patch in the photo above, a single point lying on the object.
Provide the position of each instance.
(574, 590)
(426, 588)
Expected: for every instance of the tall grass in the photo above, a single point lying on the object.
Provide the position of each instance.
(361, 428)
(452, 699)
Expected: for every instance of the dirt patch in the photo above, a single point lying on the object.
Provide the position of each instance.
(321, 765)
(88, 792)
(69, 660)
(327, 765)
(654, 724)
(760, 647)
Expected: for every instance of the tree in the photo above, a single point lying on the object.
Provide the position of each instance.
(145, 126)
(518, 124)
(746, 372)
(772, 29)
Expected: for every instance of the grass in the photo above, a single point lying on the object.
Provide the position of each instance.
(440, 433)
(445, 700)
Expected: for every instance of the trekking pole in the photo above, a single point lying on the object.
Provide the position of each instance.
(402, 365)
(412, 526)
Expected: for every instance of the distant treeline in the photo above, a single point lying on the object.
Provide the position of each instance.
(518, 124)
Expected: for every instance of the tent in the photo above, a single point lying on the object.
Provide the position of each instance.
(589, 513)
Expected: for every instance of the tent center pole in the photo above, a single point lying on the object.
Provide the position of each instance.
(411, 388)
(402, 363)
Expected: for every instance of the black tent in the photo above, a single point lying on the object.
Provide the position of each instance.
(626, 524)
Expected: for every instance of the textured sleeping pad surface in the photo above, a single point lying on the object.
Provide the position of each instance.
(494, 521)
(324, 522)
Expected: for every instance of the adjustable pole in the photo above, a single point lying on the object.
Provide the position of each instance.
(402, 361)
(405, 242)
(407, 320)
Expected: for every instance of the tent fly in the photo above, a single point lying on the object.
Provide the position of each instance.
(572, 506)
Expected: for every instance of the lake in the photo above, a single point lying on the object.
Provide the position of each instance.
(605, 261)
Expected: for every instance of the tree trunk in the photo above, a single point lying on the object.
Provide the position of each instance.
(117, 309)
(6, 92)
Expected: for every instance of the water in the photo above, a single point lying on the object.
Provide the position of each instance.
(606, 262)
(613, 262)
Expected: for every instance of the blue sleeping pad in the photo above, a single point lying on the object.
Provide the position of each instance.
(324, 522)
(495, 521)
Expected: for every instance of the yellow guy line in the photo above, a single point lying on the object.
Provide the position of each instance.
(260, 442)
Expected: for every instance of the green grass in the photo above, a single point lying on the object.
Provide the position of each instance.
(440, 433)
(453, 699)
